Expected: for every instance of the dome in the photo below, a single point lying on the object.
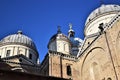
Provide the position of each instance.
(19, 38)
(59, 36)
(76, 41)
(101, 15)
(102, 10)
(59, 43)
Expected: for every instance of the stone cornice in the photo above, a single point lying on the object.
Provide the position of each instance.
(65, 56)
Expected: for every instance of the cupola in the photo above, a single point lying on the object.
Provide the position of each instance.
(59, 42)
(16, 44)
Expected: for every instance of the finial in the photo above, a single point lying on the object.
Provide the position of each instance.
(19, 32)
(70, 26)
(59, 30)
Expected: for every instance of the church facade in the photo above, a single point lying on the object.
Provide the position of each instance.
(97, 57)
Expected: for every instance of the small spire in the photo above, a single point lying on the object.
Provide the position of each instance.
(19, 32)
(71, 32)
(59, 30)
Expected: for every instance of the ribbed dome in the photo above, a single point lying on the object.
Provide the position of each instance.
(19, 38)
(103, 9)
(59, 36)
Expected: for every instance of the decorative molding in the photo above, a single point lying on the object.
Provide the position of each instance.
(65, 56)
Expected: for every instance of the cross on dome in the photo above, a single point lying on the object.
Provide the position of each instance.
(59, 30)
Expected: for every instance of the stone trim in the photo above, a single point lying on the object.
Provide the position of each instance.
(65, 56)
(82, 52)
(116, 18)
(17, 56)
(28, 65)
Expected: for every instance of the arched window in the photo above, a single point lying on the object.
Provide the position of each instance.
(109, 78)
(69, 70)
(8, 53)
(95, 71)
(64, 46)
(30, 56)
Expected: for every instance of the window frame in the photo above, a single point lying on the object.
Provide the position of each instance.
(8, 53)
(30, 56)
(69, 70)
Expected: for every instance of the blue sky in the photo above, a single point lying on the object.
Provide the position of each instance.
(39, 19)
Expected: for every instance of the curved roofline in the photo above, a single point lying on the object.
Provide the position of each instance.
(19, 39)
(53, 38)
(98, 16)
(99, 13)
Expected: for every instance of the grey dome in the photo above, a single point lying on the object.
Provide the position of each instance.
(19, 38)
(77, 41)
(102, 10)
(59, 36)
